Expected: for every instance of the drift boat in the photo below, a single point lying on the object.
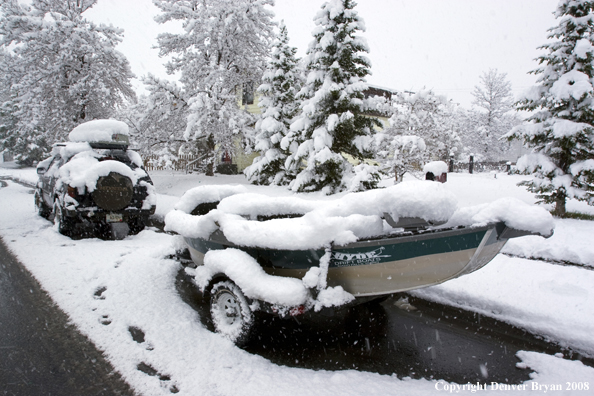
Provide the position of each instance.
(290, 254)
(380, 266)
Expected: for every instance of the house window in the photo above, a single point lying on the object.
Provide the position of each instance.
(248, 93)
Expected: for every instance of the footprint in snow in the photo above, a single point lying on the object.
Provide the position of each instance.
(151, 371)
(98, 295)
(139, 336)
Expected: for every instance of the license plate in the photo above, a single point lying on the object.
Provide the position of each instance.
(114, 217)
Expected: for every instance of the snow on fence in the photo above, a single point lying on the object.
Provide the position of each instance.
(156, 162)
(181, 163)
(461, 166)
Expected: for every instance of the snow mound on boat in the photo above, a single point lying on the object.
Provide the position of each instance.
(513, 212)
(427, 200)
(206, 194)
(320, 223)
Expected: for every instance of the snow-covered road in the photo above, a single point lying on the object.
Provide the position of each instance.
(110, 288)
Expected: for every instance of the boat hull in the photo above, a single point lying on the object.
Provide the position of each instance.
(381, 266)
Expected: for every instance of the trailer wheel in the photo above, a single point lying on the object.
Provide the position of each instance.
(230, 312)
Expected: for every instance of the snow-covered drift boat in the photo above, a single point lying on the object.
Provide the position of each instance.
(294, 254)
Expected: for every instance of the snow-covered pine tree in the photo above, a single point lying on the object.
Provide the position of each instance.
(493, 118)
(561, 129)
(331, 126)
(224, 46)
(280, 84)
(62, 70)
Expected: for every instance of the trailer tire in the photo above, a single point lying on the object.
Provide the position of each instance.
(230, 312)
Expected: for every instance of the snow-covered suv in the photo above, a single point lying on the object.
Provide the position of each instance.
(93, 182)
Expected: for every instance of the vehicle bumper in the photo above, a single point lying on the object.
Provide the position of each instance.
(96, 215)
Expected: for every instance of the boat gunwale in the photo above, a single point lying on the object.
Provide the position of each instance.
(388, 239)
(419, 236)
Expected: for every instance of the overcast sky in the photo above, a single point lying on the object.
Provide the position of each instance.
(441, 44)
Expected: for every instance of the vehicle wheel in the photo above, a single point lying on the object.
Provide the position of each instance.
(230, 312)
(381, 299)
(42, 209)
(65, 225)
(136, 225)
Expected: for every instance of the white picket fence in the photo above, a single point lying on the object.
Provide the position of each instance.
(153, 162)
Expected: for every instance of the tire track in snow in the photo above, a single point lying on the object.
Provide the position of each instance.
(551, 261)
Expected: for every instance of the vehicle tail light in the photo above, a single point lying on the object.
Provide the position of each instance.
(72, 191)
(296, 311)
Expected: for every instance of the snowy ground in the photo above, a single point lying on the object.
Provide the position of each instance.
(107, 287)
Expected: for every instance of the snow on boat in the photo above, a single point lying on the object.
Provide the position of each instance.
(293, 254)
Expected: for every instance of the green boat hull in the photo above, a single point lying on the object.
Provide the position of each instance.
(380, 266)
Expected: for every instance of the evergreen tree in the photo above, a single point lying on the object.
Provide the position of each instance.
(561, 129)
(61, 70)
(492, 119)
(223, 47)
(331, 126)
(280, 84)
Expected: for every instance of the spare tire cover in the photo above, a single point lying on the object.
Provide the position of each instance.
(113, 192)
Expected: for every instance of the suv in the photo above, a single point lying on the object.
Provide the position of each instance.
(94, 182)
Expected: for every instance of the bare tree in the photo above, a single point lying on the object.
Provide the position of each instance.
(223, 47)
(58, 70)
(492, 118)
(494, 96)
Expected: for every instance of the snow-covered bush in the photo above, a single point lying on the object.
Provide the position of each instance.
(429, 116)
(401, 153)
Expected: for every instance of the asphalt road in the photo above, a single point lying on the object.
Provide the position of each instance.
(40, 352)
(418, 340)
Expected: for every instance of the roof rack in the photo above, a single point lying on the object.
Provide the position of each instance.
(109, 145)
